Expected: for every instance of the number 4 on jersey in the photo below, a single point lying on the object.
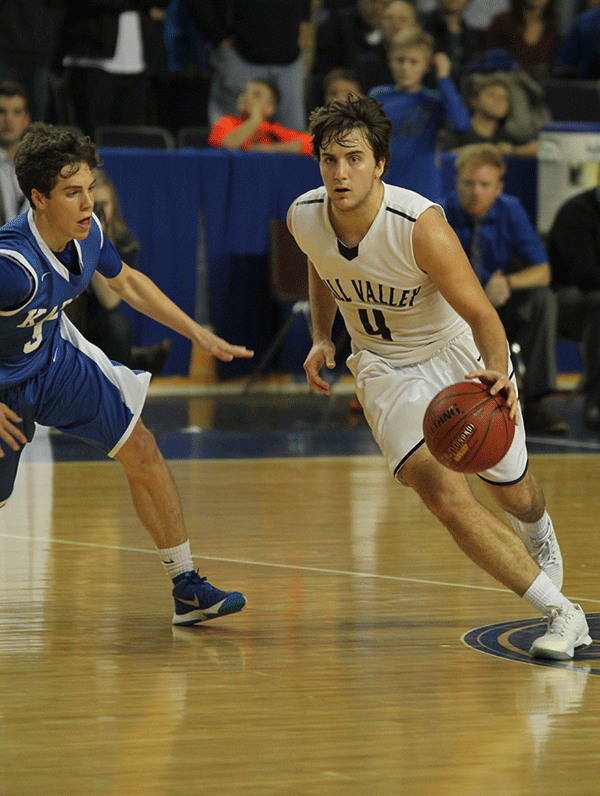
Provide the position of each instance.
(379, 328)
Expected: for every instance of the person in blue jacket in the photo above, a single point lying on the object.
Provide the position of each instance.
(418, 113)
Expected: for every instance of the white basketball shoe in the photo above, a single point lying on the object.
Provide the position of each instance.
(567, 630)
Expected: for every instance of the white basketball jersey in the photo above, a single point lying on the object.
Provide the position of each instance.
(389, 306)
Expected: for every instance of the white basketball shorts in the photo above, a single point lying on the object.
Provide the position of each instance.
(394, 399)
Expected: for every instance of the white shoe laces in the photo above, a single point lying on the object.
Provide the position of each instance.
(544, 552)
(557, 619)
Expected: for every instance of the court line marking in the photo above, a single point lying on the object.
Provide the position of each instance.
(246, 562)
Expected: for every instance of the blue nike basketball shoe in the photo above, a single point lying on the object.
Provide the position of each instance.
(196, 600)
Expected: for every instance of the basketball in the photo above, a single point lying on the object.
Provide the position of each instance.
(467, 429)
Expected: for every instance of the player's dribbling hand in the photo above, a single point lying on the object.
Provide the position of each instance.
(12, 435)
(498, 383)
(320, 354)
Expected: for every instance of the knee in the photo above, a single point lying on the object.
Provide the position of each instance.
(525, 500)
(445, 504)
(140, 455)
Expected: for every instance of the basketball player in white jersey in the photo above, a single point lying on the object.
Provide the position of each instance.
(418, 321)
(50, 374)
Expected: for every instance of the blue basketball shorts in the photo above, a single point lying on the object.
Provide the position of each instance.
(82, 393)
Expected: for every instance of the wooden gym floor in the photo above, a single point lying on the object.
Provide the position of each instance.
(347, 674)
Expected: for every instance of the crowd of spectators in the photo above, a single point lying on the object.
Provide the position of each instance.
(125, 62)
(451, 74)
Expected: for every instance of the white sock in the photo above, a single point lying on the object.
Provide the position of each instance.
(176, 560)
(543, 593)
(536, 531)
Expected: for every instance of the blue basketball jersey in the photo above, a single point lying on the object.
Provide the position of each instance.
(29, 330)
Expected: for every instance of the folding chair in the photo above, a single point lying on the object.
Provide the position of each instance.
(196, 137)
(142, 136)
(288, 281)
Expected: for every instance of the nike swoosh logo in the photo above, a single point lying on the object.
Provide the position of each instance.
(170, 561)
(195, 602)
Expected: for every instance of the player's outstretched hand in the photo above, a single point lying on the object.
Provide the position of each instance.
(320, 354)
(498, 382)
(221, 348)
(12, 435)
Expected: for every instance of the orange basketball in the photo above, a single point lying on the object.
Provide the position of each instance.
(467, 429)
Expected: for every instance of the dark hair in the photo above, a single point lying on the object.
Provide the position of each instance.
(334, 122)
(44, 153)
(10, 88)
(271, 85)
(340, 73)
(517, 10)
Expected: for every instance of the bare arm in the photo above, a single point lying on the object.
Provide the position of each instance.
(142, 294)
(499, 286)
(323, 309)
(439, 254)
(532, 276)
(279, 146)
(104, 293)
(239, 135)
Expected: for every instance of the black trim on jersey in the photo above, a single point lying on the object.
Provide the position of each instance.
(349, 254)
(400, 213)
(311, 202)
(408, 455)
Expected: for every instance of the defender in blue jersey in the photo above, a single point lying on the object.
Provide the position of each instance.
(419, 320)
(50, 374)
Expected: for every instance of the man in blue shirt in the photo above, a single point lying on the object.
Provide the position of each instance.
(510, 260)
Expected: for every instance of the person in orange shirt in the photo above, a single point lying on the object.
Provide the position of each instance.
(253, 128)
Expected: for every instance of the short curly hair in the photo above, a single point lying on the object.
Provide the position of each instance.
(334, 122)
(45, 152)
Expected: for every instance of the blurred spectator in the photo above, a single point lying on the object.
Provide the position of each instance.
(253, 128)
(109, 50)
(452, 35)
(489, 100)
(529, 30)
(340, 38)
(528, 109)
(418, 113)
(181, 92)
(373, 67)
(509, 258)
(478, 14)
(96, 312)
(339, 83)
(255, 38)
(579, 52)
(182, 39)
(14, 120)
(573, 246)
(28, 30)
